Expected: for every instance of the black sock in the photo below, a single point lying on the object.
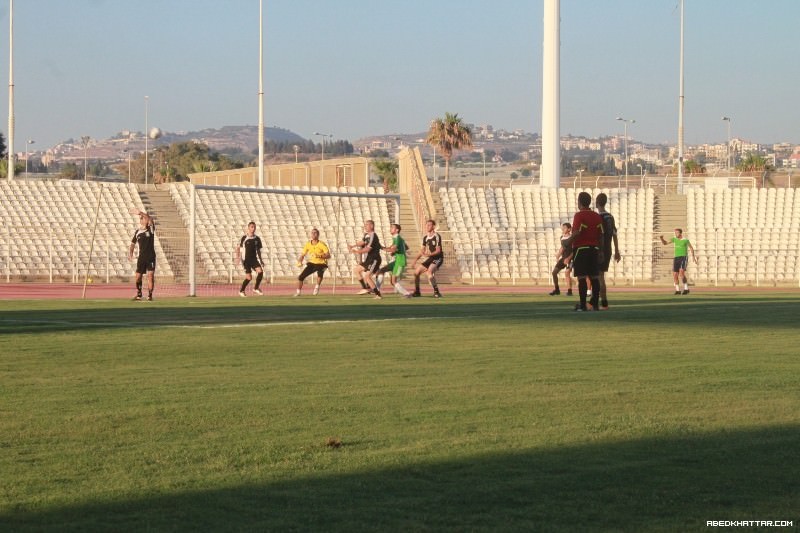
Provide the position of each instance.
(416, 283)
(582, 289)
(244, 284)
(363, 284)
(555, 282)
(259, 277)
(139, 287)
(434, 285)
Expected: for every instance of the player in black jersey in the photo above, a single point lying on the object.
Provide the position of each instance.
(145, 238)
(610, 233)
(249, 254)
(369, 248)
(563, 260)
(434, 258)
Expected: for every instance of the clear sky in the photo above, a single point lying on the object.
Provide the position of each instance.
(355, 68)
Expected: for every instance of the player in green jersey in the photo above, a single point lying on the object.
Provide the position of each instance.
(397, 267)
(681, 260)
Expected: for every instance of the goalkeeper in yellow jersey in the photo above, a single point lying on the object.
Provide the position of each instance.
(318, 254)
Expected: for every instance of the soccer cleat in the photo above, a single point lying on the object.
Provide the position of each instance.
(364, 291)
(257, 291)
(316, 290)
(569, 292)
(579, 308)
(242, 294)
(149, 297)
(377, 295)
(685, 291)
(137, 297)
(677, 292)
(437, 294)
(604, 305)
(554, 292)
(416, 294)
(408, 295)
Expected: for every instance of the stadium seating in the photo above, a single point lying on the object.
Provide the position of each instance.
(283, 221)
(515, 232)
(50, 226)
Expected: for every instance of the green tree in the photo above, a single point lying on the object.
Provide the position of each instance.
(387, 170)
(693, 167)
(449, 134)
(752, 163)
(3, 153)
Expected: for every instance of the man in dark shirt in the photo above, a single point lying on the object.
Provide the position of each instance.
(145, 238)
(434, 258)
(609, 237)
(249, 253)
(369, 248)
(587, 246)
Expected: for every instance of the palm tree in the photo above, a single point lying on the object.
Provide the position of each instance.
(449, 134)
(387, 170)
(753, 162)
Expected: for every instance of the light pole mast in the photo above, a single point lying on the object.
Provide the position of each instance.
(146, 135)
(680, 112)
(10, 90)
(260, 94)
(550, 172)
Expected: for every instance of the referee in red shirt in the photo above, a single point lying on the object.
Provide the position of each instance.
(587, 246)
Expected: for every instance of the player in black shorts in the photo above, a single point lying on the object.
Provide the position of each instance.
(563, 260)
(609, 236)
(145, 238)
(249, 253)
(434, 258)
(369, 248)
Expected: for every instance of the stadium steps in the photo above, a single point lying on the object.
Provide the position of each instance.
(448, 273)
(670, 213)
(171, 231)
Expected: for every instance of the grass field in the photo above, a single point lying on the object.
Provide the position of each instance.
(473, 413)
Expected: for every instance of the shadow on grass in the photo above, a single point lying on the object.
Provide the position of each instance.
(672, 484)
(752, 310)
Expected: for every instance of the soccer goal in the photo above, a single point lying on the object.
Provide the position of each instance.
(217, 217)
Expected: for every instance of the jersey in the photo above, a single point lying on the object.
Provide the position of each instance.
(590, 225)
(373, 242)
(609, 230)
(681, 246)
(252, 249)
(314, 252)
(400, 250)
(431, 243)
(146, 240)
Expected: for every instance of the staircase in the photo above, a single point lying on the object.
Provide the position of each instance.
(171, 232)
(670, 213)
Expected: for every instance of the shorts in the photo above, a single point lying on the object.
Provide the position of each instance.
(680, 263)
(434, 260)
(606, 262)
(145, 264)
(251, 265)
(387, 268)
(311, 268)
(371, 264)
(584, 262)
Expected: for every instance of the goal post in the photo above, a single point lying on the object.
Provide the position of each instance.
(283, 212)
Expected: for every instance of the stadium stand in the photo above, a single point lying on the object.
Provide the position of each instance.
(49, 227)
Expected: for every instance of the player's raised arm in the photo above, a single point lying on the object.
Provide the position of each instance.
(663, 241)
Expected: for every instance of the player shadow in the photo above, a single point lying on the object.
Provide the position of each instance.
(674, 483)
(766, 311)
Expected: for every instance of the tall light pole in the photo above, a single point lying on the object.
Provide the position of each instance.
(85, 143)
(27, 154)
(680, 110)
(260, 94)
(146, 135)
(626, 122)
(296, 150)
(323, 135)
(728, 147)
(10, 90)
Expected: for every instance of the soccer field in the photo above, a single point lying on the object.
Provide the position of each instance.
(474, 412)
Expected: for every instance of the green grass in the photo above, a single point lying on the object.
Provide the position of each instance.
(471, 413)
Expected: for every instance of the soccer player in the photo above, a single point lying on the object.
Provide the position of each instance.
(563, 260)
(145, 238)
(318, 255)
(369, 248)
(587, 246)
(397, 267)
(609, 237)
(251, 243)
(434, 258)
(681, 259)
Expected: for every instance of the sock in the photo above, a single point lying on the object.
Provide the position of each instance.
(259, 277)
(582, 292)
(297, 292)
(685, 286)
(244, 284)
(378, 281)
(416, 283)
(363, 284)
(595, 292)
(432, 281)
(399, 288)
(139, 287)
(677, 287)
(555, 281)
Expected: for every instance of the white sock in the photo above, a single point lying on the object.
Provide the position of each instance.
(297, 292)
(400, 289)
(378, 281)
(686, 286)
(677, 287)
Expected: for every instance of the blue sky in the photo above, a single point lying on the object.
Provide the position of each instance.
(356, 67)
